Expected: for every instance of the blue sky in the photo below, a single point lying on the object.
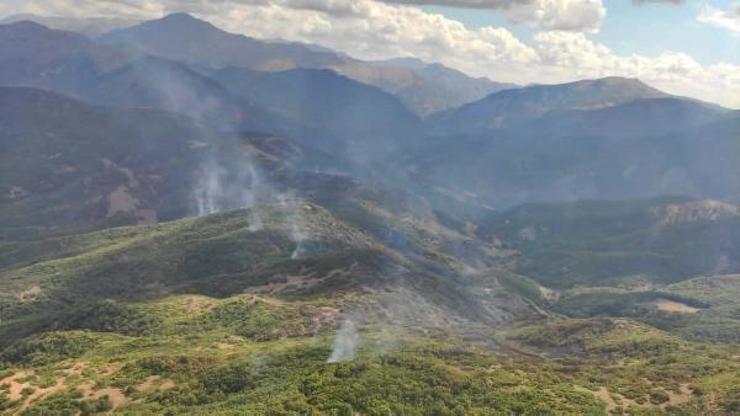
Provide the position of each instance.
(646, 29)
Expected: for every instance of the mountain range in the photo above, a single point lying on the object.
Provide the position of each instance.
(423, 88)
(199, 222)
(91, 26)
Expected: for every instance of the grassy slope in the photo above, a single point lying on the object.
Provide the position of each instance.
(217, 256)
(614, 243)
(711, 307)
(159, 348)
(259, 355)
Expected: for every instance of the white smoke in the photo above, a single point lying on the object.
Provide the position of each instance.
(345, 343)
(218, 190)
(299, 251)
(255, 219)
(298, 229)
(208, 191)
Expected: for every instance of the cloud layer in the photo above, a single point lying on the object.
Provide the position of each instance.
(725, 19)
(659, 1)
(371, 29)
(571, 15)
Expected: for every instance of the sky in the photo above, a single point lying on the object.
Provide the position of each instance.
(685, 47)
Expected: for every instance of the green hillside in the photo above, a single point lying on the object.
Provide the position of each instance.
(215, 315)
(620, 243)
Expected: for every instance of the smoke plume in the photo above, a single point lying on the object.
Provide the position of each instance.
(345, 343)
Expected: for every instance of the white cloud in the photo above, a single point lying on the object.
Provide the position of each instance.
(473, 4)
(572, 15)
(575, 15)
(725, 19)
(674, 72)
(640, 2)
(370, 29)
(377, 30)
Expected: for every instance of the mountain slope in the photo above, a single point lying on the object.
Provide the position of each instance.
(30, 52)
(367, 120)
(508, 107)
(642, 117)
(65, 162)
(94, 326)
(33, 55)
(171, 86)
(642, 149)
(94, 26)
(621, 243)
(354, 119)
(287, 250)
(423, 88)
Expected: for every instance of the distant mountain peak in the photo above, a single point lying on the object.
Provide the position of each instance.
(405, 62)
(26, 26)
(91, 26)
(582, 94)
(30, 27)
(613, 83)
(513, 106)
(181, 17)
(182, 21)
(614, 79)
(616, 82)
(183, 37)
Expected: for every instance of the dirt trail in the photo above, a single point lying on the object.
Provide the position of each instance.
(17, 386)
(675, 307)
(155, 383)
(116, 396)
(602, 394)
(683, 396)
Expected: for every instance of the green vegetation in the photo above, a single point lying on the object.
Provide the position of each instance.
(209, 316)
(611, 243)
(702, 309)
(249, 355)
(48, 348)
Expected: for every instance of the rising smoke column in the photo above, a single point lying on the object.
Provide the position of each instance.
(298, 229)
(251, 199)
(208, 190)
(345, 343)
(219, 189)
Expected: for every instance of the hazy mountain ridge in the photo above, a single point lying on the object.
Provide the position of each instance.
(424, 89)
(621, 243)
(501, 109)
(67, 163)
(182, 37)
(30, 50)
(89, 26)
(364, 117)
(641, 147)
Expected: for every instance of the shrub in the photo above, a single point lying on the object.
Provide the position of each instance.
(110, 316)
(230, 379)
(48, 348)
